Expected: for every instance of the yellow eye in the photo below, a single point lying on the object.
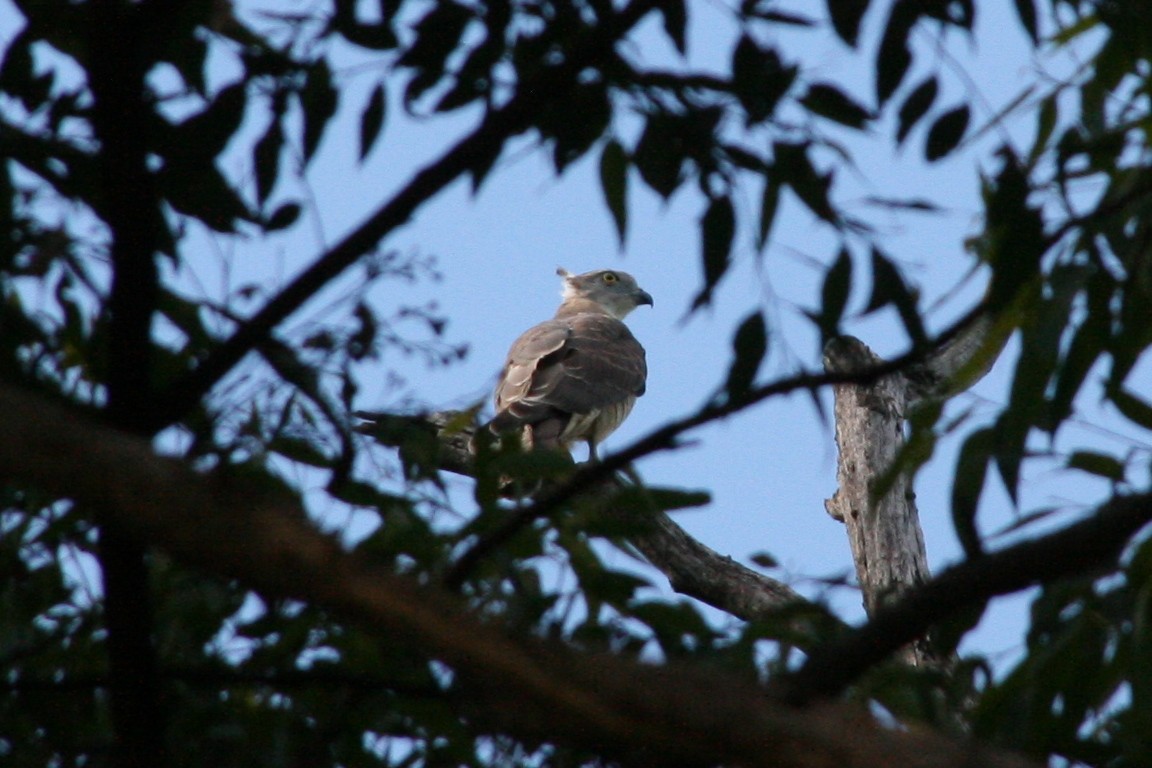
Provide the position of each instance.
(609, 277)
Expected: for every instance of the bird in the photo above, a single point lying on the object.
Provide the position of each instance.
(575, 378)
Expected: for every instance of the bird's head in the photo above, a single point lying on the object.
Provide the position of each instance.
(615, 291)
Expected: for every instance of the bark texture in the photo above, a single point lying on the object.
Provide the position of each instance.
(873, 499)
(884, 533)
(692, 568)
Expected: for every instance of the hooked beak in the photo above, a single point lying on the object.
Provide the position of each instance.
(643, 297)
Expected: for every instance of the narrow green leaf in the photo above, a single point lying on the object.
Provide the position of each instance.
(1099, 464)
(372, 120)
(889, 288)
(946, 133)
(829, 101)
(764, 560)
(648, 499)
(834, 294)
(675, 15)
(1045, 124)
(1088, 343)
(749, 346)
(893, 57)
(318, 101)
(915, 106)
(1026, 11)
(614, 185)
(1016, 236)
(717, 228)
(283, 217)
(760, 78)
(846, 16)
(659, 155)
(769, 202)
(203, 193)
(1134, 408)
(794, 167)
(967, 487)
(266, 159)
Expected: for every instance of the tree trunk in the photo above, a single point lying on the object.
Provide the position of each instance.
(884, 529)
(884, 533)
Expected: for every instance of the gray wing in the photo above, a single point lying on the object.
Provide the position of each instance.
(574, 365)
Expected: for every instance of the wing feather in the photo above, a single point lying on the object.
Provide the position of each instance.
(579, 364)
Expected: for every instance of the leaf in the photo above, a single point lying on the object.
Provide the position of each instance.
(946, 133)
(749, 346)
(203, 136)
(846, 16)
(372, 120)
(1026, 11)
(717, 228)
(794, 168)
(266, 159)
(648, 499)
(764, 560)
(889, 288)
(318, 101)
(834, 294)
(893, 57)
(968, 486)
(1099, 464)
(915, 106)
(203, 193)
(675, 15)
(1016, 236)
(1134, 408)
(769, 203)
(614, 184)
(16, 70)
(830, 102)
(658, 155)
(917, 204)
(760, 78)
(576, 123)
(1087, 344)
(1045, 124)
(283, 217)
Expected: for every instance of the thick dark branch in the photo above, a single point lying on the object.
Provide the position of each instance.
(636, 714)
(476, 151)
(1081, 548)
(961, 361)
(692, 568)
(130, 208)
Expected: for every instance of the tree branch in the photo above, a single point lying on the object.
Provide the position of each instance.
(692, 568)
(1094, 542)
(130, 207)
(639, 714)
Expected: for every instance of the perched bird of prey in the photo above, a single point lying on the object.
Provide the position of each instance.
(575, 378)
